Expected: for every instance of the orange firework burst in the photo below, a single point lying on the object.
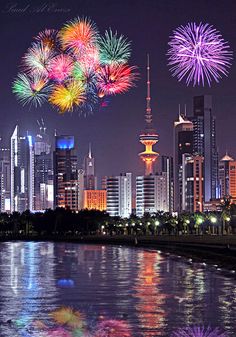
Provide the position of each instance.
(66, 96)
(78, 35)
(48, 38)
(68, 316)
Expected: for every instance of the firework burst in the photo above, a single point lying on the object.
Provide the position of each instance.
(60, 67)
(74, 67)
(198, 53)
(198, 332)
(114, 49)
(37, 59)
(116, 79)
(31, 89)
(66, 96)
(48, 38)
(78, 35)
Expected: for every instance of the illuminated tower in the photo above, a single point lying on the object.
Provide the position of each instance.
(148, 136)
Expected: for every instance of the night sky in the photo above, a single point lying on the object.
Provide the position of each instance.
(114, 131)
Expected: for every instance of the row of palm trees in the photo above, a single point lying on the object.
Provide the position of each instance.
(63, 221)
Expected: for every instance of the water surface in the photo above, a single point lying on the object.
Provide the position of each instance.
(153, 292)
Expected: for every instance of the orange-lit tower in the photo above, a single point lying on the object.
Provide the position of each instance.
(148, 136)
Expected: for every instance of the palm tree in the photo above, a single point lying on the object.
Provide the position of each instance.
(225, 215)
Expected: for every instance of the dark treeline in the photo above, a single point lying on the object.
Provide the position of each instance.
(62, 221)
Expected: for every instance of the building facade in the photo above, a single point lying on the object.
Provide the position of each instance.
(119, 195)
(193, 183)
(167, 166)
(232, 180)
(152, 194)
(183, 144)
(22, 172)
(43, 172)
(90, 180)
(65, 173)
(95, 199)
(204, 144)
(224, 175)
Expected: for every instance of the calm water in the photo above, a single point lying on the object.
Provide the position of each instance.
(152, 291)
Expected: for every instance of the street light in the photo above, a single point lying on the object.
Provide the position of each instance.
(157, 223)
(213, 219)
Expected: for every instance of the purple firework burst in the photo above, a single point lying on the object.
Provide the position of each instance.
(197, 53)
(198, 332)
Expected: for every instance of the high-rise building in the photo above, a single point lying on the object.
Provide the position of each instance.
(95, 199)
(167, 166)
(204, 144)
(119, 195)
(148, 136)
(224, 175)
(22, 172)
(90, 180)
(152, 194)
(65, 172)
(193, 183)
(232, 180)
(5, 179)
(43, 171)
(183, 143)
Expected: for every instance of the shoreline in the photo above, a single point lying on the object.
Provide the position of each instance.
(212, 249)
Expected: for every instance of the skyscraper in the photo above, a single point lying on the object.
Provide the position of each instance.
(168, 167)
(232, 180)
(224, 175)
(148, 136)
(90, 180)
(5, 179)
(119, 195)
(204, 126)
(183, 144)
(43, 170)
(152, 194)
(65, 173)
(22, 172)
(193, 183)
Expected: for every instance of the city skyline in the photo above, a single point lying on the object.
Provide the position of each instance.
(125, 112)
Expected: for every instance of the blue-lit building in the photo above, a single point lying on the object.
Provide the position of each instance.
(66, 182)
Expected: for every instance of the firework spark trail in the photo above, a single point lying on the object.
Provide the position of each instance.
(114, 49)
(198, 53)
(33, 90)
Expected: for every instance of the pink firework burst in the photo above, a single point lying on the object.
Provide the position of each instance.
(112, 328)
(60, 67)
(198, 332)
(116, 79)
(198, 53)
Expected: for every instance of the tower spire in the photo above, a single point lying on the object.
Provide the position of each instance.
(148, 115)
(90, 151)
(149, 136)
